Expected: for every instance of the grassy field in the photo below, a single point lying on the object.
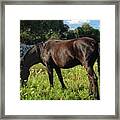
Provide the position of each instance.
(38, 87)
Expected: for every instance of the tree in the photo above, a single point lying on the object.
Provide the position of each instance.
(71, 34)
(41, 29)
(88, 31)
(33, 31)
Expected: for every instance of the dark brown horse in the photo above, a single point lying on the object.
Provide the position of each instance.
(56, 54)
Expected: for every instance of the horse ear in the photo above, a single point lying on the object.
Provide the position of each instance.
(42, 43)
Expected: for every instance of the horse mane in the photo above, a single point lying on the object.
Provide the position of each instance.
(32, 46)
(26, 52)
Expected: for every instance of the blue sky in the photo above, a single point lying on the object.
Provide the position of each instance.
(78, 23)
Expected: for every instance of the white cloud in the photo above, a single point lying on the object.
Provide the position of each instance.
(73, 21)
(78, 21)
(84, 21)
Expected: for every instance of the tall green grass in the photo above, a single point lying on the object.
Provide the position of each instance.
(75, 79)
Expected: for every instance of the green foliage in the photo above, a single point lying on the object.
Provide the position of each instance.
(71, 34)
(38, 87)
(88, 31)
(52, 35)
(42, 30)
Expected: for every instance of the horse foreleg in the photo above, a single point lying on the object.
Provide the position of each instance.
(93, 83)
(58, 71)
(50, 74)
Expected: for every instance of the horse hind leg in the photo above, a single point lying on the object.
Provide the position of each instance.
(93, 82)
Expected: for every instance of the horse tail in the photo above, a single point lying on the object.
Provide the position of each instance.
(98, 58)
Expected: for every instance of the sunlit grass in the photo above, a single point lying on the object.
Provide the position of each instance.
(38, 87)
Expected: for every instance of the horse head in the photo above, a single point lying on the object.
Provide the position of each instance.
(24, 72)
(32, 56)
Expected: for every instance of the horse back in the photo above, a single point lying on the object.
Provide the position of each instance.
(68, 53)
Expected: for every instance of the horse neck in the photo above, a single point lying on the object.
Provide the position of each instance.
(31, 58)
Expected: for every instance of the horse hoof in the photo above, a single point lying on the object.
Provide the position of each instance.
(23, 84)
(64, 87)
(98, 98)
(51, 86)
